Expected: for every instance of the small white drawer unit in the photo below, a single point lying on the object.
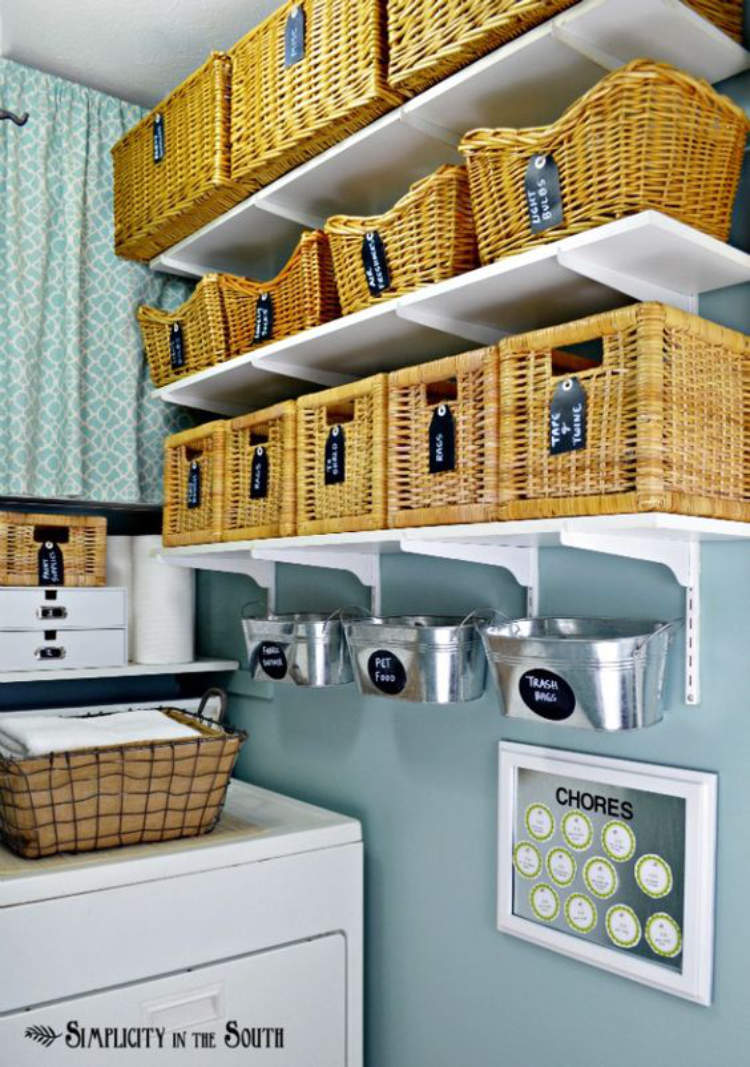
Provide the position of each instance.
(62, 628)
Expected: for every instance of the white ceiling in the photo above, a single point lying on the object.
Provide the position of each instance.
(135, 49)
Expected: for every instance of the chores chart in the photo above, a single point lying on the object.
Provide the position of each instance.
(601, 862)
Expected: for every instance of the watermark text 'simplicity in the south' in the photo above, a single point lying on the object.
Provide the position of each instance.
(136, 1038)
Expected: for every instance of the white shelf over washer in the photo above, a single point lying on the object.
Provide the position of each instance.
(132, 670)
(645, 256)
(526, 82)
(671, 540)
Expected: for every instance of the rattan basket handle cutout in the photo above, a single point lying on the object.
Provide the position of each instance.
(339, 413)
(441, 392)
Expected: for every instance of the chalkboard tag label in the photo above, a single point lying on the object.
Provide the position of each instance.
(176, 347)
(387, 672)
(547, 694)
(51, 567)
(272, 660)
(375, 262)
(543, 196)
(194, 485)
(294, 36)
(159, 142)
(442, 440)
(567, 417)
(259, 474)
(335, 457)
(263, 318)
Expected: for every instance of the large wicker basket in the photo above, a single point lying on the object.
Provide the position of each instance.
(117, 795)
(648, 136)
(335, 493)
(260, 482)
(427, 236)
(430, 39)
(665, 419)
(442, 441)
(194, 485)
(158, 201)
(282, 114)
(302, 295)
(189, 339)
(79, 548)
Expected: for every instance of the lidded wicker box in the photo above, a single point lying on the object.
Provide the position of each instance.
(664, 418)
(172, 170)
(260, 483)
(301, 296)
(430, 39)
(117, 795)
(647, 136)
(309, 75)
(443, 440)
(188, 339)
(52, 549)
(194, 485)
(341, 440)
(427, 236)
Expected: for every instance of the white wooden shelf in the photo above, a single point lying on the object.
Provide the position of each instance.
(673, 541)
(526, 82)
(132, 670)
(644, 257)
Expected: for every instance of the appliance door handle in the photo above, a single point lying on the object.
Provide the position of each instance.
(183, 1010)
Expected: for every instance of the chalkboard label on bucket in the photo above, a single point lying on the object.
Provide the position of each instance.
(259, 474)
(442, 440)
(547, 694)
(50, 564)
(567, 417)
(335, 457)
(543, 196)
(375, 263)
(387, 672)
(294, 36)
(272, 659)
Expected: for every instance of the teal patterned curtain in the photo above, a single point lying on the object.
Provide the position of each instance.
(77, 414)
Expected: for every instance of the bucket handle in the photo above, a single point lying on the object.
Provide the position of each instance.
(659, 630)
(489, 614)
(255, 602)
(339, 613)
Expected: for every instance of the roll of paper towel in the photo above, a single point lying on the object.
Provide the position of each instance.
(120, 574)
(163, 606)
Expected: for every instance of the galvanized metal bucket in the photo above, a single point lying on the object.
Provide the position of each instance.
(418, 658)
(302, 649)
(600, 674)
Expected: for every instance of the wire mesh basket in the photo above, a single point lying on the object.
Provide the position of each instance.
(646, 137)
(118, 794)
(427, 236)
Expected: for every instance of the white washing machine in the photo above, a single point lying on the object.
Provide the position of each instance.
(244, 945)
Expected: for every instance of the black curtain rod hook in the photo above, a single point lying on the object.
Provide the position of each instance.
(20, 120)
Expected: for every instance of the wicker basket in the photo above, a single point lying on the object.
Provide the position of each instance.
(430, 39)
(427, 236)
(52, 549)
(335, 493)
(189, 339)
(260, 479)
(157, 203)
(646, 137)
(283, 115)
(665, 426)
(442, 441)
(117, 795)
(302, 295)
(194, 485)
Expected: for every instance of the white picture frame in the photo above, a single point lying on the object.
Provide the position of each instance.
(699, 790)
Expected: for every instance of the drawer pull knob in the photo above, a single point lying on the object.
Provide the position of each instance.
(49, 652)
(52, 613)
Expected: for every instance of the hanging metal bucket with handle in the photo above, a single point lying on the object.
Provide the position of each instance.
(600, 674)
(423, 659)
(302, 649)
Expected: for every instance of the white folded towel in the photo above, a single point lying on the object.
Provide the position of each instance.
(35, 735)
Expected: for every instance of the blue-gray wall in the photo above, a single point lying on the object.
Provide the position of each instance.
(443, 988)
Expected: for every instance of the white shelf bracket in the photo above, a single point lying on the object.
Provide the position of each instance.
(365, 566)
(432, 130)
(576, 260)
(521, 560)
(583, 47)
(287, 211)
(301, 373)
(262, 572)
(476, 332)
(683, 558)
